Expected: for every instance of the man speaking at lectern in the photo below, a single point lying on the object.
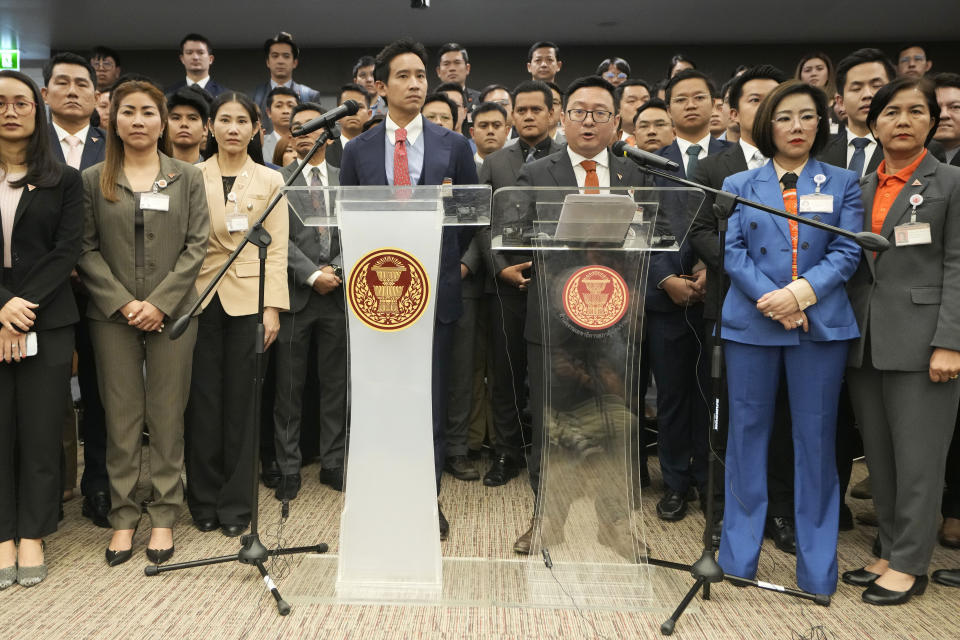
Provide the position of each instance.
(410, 150)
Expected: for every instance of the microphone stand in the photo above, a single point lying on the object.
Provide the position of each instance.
(706, 570)
(252, 552)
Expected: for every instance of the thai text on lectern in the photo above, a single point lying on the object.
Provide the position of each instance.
(390, 240)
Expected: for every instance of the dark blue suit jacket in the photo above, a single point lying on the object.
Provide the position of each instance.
(446, 154)
(759, 250)
(212, 88)
(94, 147)
(674, 210)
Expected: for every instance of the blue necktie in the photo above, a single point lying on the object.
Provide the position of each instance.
(693, 152)
(859, 155)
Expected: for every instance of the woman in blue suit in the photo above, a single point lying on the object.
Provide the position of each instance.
(787, 313)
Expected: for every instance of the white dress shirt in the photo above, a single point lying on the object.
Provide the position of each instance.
(201, 83)
(603, 167)
(752, 154)
(62, 137)
(684, 145)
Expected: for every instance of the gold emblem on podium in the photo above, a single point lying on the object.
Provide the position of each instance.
(388, 289)
(595, 297)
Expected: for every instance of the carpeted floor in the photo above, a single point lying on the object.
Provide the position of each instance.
(83, 598)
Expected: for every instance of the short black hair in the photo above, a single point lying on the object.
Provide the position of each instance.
(759, 72)
(104, 52)
(490, 88)
(281, 91)
(763, 123)
(904, 83)
(452, 46)
(281, 38)
(381, 71)
(442, 97)
(652, 103)
(452, 86)
(688, 74)
(862, 56)
(946, 79)
(543, 44)
(534, 86)
(195, 37)
(193, 97)
(619, 63)
(487, 107)
(631, 82)
(67, 57)
(305, 106)
(363, 61)
(679, 57)
(352, 86)
(590, 81)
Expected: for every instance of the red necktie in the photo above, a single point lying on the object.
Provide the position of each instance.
(401, 171)
(592, 182)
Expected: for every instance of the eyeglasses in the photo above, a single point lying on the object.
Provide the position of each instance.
(807, 120)
(102, 63)
(599, 115)
(610, 75)
(916, 58)
(20, 107)
(681, 101)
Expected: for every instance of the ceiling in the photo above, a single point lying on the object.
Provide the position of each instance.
(41, 25)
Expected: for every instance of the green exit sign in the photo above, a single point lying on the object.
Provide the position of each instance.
(10, 59)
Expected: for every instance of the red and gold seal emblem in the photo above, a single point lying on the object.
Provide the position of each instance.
(388, 289)
(595, 297)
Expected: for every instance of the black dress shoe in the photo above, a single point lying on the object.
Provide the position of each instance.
(859, 577)
(845, 521)
(504, 468)
(232, 530)
(118, 557)
(783, 535)
(97, 507)
(159, 556)
(270, 474)
(672, 506)
(461, 468)
(206, 524)
(875, 594)
(947, 577)
(289, 487)
(444, 525)
(332, 477)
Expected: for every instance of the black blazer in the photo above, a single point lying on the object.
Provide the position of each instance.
(212, 88)
(556, 170)
(94, 147)
(45, 244)
(835, 153)
(711, 172)
(334, 153)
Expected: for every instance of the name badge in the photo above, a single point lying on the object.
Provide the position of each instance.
(155, 201)
(912, 233)
(237, 222)
(816, 203)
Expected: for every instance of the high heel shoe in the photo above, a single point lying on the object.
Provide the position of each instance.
(860, 577)
(159, 556)
(875, 594)
(119, 557)
(8, 576)
(32, 576)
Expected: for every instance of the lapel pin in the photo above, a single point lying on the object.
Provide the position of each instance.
(619, 176)
(243, 175)
(92, 139)
(916, 183)
(232, 197)
(31, 187)
(171, 175)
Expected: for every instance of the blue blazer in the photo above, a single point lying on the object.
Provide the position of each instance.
(446, 154)
(674, 212)
(758, 256)
(94, 147)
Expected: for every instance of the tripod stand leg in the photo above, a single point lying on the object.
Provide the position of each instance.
(282, 607)
(667, 627)
(156, 569)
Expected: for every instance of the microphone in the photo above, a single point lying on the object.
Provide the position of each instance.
(348, 108)
(641, 157)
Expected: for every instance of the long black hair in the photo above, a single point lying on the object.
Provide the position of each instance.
(43, 169)
(254, 148)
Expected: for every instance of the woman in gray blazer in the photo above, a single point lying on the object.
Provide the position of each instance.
(904, 368)
(144, 241)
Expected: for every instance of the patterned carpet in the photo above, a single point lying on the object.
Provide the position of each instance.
(83, 598)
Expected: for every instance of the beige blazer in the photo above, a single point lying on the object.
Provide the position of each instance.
(254, 188)
(175, 243)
